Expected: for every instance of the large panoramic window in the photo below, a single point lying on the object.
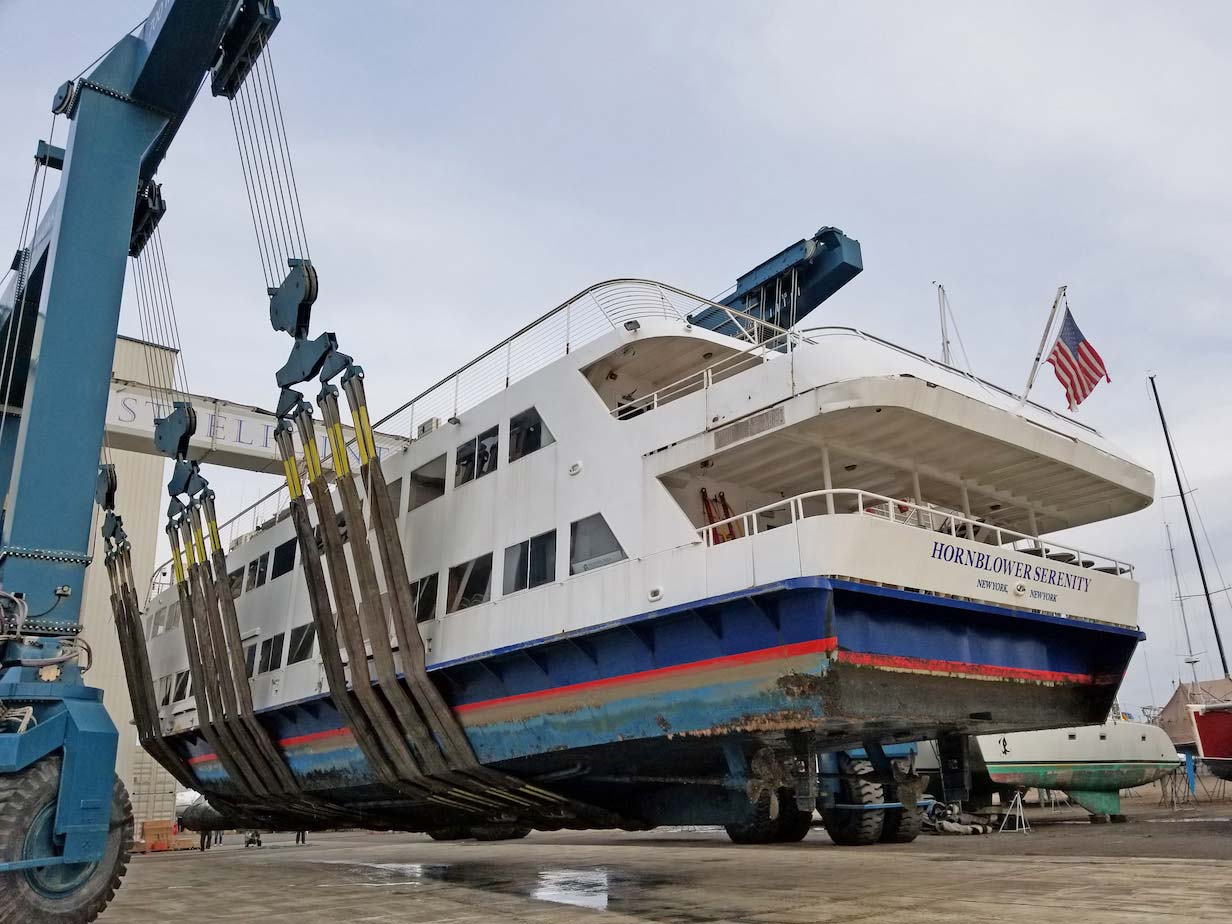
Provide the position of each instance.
(470, 584)
(423, 592)
(530, 563)
(527, 432)
(592, 545)
(427, 483)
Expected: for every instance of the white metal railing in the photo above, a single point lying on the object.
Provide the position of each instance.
(778, 346)
(906, 513)
(585, 317)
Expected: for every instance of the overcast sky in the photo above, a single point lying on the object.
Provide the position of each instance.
(464, 167)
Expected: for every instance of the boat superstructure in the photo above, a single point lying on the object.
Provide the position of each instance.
(644, 551)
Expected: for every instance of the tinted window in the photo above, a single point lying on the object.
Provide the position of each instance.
(258, 568)
(423, 592)
(271, 653)
(395, 495)
(284, 559)
(250, 659)
(181, 687)
(426, 483)
(592, 545)
(302, 638)
(470, 583)
(236, 580)
(530, 563)
(478, 457)
(527, 432)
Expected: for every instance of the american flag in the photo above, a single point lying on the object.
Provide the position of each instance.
(1077, 365)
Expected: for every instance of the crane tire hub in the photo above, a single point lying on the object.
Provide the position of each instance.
(74, 893)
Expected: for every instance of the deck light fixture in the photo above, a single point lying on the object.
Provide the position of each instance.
(633, 326)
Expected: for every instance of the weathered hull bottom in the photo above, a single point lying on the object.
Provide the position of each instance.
(652, 717)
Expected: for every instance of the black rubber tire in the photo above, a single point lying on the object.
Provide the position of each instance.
(23, 798)
(902, 826)
(449, 834)
(500, 832)
(853, 827)
(793, 823)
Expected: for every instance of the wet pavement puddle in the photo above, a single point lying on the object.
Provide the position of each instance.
(597, 888)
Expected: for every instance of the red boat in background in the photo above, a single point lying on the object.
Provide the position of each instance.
(1213, 732)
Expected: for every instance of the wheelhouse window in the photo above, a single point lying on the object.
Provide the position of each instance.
(470, 583)
(527, 433)
(158, 623)
(236, 581)
(250, 659)
(271, 653)
(302, 639)
(423, 592)
(394, 491)
(530, 563)
(476, 458)
(165, 687)
(258, 568)
(426, 483)
(181, 687)
(173, 618)
(592, 545)
(284, 559)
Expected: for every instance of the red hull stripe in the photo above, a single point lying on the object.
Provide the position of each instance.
(815, 646)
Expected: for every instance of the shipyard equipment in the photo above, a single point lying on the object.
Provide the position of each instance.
(65, 820)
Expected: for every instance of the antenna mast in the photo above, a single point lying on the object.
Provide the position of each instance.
(947, 355)
(1180, 598)
(1176, 471)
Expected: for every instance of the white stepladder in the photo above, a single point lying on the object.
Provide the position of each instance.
(1016, 812)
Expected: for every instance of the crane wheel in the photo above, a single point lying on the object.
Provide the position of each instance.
(791, 825)
(856, 827)
(68, 894)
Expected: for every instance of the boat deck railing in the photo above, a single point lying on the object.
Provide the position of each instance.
(592, 313)
(856, 502)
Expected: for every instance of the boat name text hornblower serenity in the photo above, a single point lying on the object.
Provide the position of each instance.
(1000, 564)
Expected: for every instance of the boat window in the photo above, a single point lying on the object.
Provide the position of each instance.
(427, 483)
(158, 623)
(250, 659)
(302, 638)
(181, 687)
(592, 545)
(476, 458)
(343, 533)
(394, 492)
(530, 563)
(257, 570)
(284, 559)
(423, 592)
(271, 653)
(173, 619)
(236, 580)
(165, 685)
(470, 583)
(1073, 737)
(527, 432)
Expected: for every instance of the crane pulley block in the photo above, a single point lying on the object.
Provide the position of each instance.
(242, 45)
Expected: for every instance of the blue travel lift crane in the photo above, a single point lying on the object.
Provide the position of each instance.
(65, 819)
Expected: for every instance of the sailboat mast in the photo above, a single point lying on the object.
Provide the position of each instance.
(1180, 598)
(1176, 471)
(947, 355)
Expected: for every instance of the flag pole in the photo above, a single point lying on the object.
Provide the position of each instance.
(1056, 303)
